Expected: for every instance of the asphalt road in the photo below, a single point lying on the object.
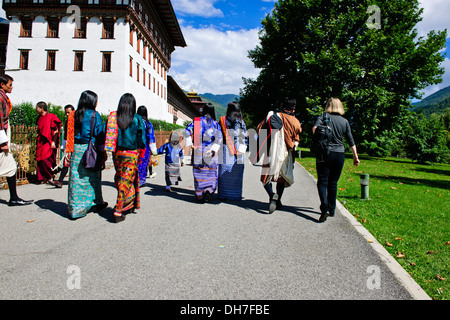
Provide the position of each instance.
(177, 249)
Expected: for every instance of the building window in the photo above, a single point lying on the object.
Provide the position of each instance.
(25, 29)
(51, 60)
(149, 81)
(106, 66)
(24, 56)
(108, 29)
(138, 44)
(131, 67)
(79, 55)
(53, 28)
(143, 77)
(131, 36)
(81, 33)
(137, 71)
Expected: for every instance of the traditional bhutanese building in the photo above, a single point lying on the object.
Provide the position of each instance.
(181, 107)
(59, 48)
(196, 100)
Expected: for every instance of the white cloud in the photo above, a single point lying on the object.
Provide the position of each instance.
(214, 61)
(199, 8)
(445, 80)
(435, 17)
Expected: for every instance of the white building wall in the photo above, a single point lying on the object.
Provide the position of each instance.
(64, 85)
(156, 104)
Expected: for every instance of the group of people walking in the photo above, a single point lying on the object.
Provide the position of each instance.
(218, 153)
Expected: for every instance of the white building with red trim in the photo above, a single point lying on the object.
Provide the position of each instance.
(59, 48)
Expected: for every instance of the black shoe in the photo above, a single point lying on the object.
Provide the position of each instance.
(99, 207)
(118, 219)
(273, 203)
(19, 202)
(323, 217)
(279, 204)
(208, 197)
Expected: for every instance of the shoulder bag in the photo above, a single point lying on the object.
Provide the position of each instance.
(94, 157)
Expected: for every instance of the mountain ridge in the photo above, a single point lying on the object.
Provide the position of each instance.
(434, 103)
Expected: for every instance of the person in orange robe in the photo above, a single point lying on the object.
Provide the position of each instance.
(279, 150)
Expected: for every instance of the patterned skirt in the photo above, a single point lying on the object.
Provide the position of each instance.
(126, 180)
(230, 181)
(231, 175)
(85, 186)
(205, 180)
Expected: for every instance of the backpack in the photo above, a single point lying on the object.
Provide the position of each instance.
(321, 139)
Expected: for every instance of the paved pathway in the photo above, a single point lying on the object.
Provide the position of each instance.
(175, 248)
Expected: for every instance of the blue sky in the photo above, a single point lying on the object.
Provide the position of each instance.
(223, 14)
(219, 34)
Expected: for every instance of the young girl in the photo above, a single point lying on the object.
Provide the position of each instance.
(150, 146)
(174, 160)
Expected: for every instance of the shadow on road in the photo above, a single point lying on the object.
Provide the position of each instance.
(60, 208)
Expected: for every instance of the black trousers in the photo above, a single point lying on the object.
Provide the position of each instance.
(328, 174)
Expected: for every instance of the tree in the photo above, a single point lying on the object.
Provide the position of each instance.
(426, 140)
(313, 50)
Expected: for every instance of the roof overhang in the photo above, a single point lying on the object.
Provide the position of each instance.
(169, 18)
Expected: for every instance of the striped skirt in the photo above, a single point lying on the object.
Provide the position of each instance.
(172, 174)
(126, 180)
(85, 186)
(205, 180)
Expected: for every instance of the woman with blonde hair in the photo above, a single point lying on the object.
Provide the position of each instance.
(334, 106)
(330, 167)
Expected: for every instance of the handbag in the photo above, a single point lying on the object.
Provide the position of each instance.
(94, 157)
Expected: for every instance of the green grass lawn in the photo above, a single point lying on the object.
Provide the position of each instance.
(408, 212)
